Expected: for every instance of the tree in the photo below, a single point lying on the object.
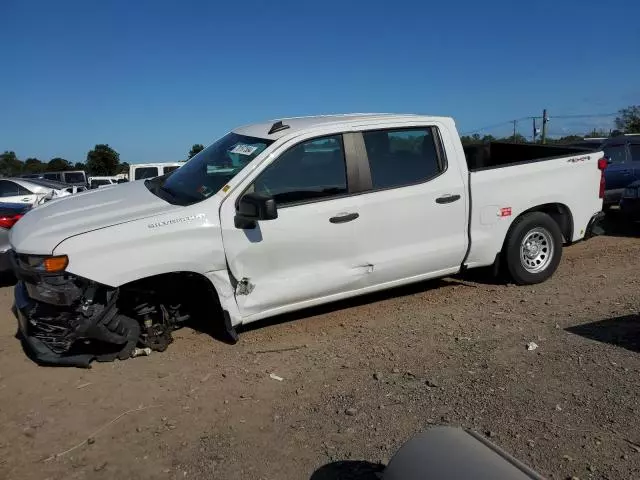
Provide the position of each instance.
(79, 166)
(628, 120)
(124, 167)
(195, 149)
(33, 165)
(58, 165)
(103, 160)
(9, 164)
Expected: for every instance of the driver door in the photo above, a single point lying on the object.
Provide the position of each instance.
(308, 252)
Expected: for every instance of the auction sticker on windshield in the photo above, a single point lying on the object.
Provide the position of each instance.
(243, 149)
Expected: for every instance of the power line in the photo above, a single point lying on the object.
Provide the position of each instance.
(551, 117)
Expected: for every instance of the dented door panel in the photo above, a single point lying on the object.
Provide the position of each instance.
(299, 256)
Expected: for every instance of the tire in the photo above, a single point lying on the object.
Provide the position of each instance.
(533, 248)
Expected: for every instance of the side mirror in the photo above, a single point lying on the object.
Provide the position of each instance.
(253, 207)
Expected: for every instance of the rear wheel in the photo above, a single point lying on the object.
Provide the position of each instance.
(533, 248)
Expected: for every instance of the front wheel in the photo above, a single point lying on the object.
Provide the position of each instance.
(533, 248)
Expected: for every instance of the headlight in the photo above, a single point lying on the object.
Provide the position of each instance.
(50, 264)
(630, 193)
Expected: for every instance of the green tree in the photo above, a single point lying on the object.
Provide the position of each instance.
(9, 164)
(124, 167)
(103, 160)
(195, 149)
(628, 119)
(79, 166)
(58, 165)
(33, 165)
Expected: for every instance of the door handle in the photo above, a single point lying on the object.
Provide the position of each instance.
(26, 199)
(344, 217)
(626, 172)
(447, 198)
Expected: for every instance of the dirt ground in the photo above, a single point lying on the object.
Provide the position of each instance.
(359, 379)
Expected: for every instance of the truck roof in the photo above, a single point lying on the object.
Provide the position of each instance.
(274, 129)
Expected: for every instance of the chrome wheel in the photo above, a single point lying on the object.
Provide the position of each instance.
(536, 250)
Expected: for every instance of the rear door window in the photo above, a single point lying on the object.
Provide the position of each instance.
(74, 177)
(170, 169)
(402, 157)
(146, 172)
(635, 152)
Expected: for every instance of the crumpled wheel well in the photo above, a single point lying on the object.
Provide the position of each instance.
(192, 289)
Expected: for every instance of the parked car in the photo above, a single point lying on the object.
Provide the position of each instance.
(141, 171)
(276, 217)
(33, 191)
(10, 213)
(97, 182)
(630, 202)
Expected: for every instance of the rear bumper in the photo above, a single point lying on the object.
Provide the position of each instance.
(594, 227)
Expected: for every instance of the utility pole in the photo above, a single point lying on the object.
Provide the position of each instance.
(535, 129)
(545, 119)
(515, 123)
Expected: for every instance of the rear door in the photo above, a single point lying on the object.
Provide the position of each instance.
(413, 221)
(619, 173)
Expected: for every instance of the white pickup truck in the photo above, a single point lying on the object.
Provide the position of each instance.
(284, 215)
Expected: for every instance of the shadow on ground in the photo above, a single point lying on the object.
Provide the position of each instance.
(616, 225)
(403, 291)
(348, 470)
(620, 331)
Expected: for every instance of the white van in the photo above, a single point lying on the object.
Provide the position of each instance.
(149, 170)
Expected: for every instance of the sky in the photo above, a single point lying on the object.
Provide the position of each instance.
(151, 78)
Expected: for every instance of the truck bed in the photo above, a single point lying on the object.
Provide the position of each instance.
(500, 154)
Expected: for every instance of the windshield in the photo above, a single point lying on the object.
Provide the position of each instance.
(209, 170)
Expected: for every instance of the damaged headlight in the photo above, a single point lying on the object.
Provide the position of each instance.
(46, 264)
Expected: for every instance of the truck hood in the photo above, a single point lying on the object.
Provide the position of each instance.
(44, 227)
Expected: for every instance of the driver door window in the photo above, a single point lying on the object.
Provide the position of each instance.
(310, 171)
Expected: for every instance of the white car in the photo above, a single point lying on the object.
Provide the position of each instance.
(33, 191)
(280, 216)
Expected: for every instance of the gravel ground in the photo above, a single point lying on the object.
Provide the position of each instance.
(359, 378)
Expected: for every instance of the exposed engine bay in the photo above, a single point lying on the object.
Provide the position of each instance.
(68, 320)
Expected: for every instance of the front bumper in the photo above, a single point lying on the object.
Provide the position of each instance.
(70, 334)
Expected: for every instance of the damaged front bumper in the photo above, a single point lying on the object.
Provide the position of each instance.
(63, 320)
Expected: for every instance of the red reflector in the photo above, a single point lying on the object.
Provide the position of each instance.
(602, 164)
(8, 222)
